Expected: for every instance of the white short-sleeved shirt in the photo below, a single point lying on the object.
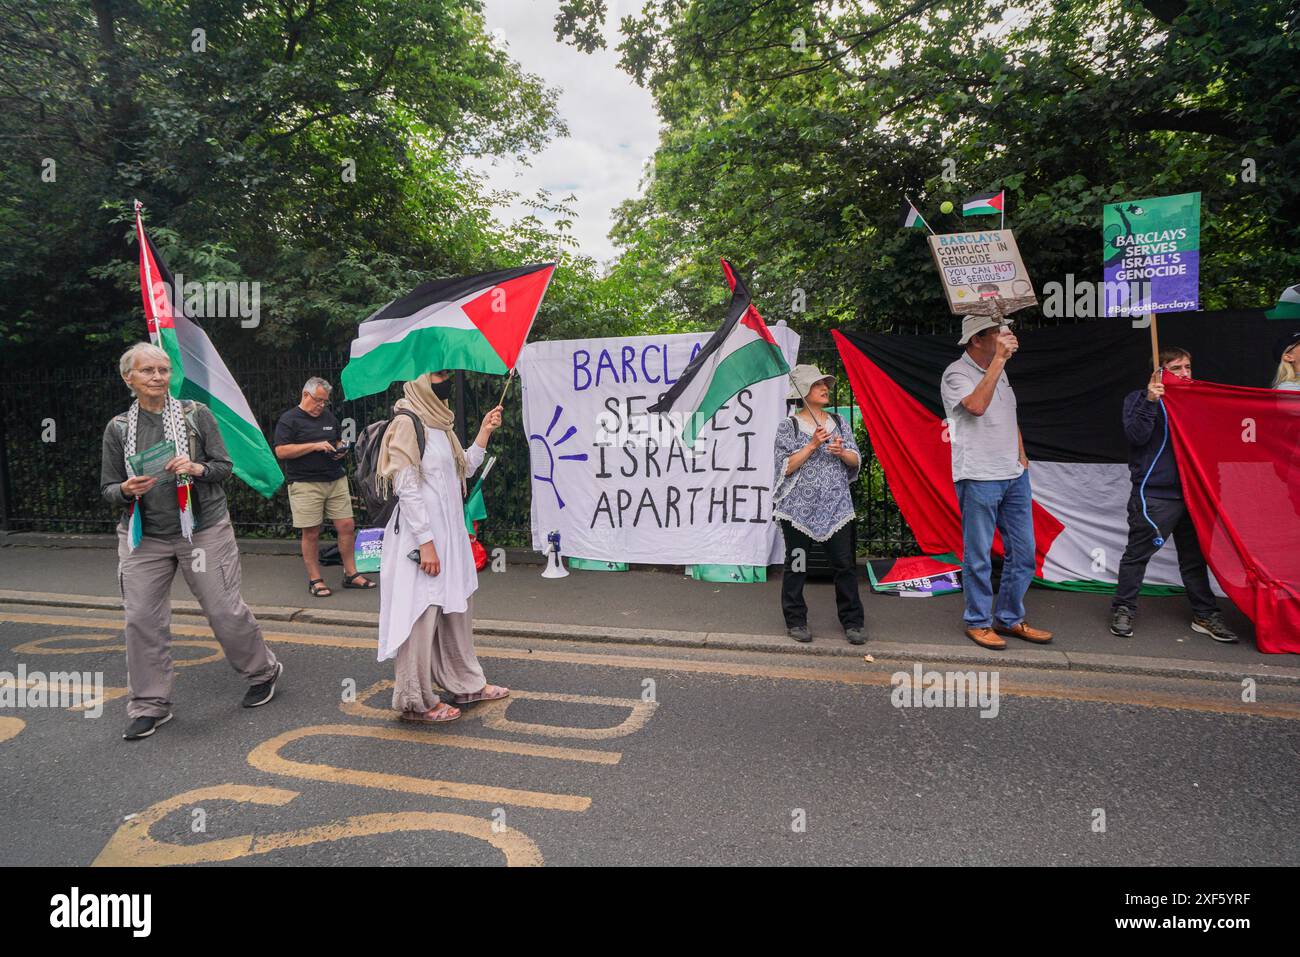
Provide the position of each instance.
(984, 447)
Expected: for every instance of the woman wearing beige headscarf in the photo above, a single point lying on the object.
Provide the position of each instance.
(426, 605)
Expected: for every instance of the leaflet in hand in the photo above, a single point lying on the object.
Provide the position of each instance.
(152, 461)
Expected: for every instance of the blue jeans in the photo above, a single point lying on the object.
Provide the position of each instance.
(1005, 505)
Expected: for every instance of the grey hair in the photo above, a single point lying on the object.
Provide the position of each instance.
(127, 362)
(316, 382)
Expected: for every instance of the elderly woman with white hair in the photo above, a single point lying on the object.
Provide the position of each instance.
(163, 464)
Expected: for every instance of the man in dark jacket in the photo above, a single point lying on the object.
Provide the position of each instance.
(1156, 484)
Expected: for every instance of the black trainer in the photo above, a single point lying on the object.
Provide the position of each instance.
(144, 726)
(259, 695)
(800, 633)
(1214, 626)
(1121, 622)
(856, 636)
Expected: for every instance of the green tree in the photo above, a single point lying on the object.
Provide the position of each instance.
(793, 129)
(313, 146)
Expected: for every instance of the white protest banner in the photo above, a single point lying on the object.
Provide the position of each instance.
(613, 480)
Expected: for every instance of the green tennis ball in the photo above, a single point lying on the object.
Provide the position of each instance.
(945, 206)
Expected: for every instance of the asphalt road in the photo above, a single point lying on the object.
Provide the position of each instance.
(624, 755)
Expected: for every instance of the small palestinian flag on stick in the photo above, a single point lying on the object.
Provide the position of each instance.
(983, 204)
(741, 353)
(911, 218)
(1288, 305)
(479, 323)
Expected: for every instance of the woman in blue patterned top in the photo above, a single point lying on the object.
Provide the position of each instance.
(816, 459)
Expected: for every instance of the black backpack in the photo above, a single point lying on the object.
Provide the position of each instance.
(379, 507)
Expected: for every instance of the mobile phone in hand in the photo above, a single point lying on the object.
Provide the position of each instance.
(414, 555)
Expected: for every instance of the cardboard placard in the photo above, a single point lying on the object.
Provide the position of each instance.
(982, 272)
(1151, 255)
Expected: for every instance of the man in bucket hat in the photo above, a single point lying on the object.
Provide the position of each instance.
(816, 460)
(990, 473)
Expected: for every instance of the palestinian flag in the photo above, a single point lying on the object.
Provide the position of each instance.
(198, 372)
(475, 507)
(1288, 305)
(479, 323)
(982, 204)
(909, 218)
(739, 354)
(1070, 382)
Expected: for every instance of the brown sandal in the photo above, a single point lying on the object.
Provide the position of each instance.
(441, 712)
(318, 588)
(482, 695)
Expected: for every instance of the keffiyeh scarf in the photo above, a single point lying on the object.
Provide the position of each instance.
(176, 432)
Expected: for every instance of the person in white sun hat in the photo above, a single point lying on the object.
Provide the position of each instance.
(990, 472)
(816, 459)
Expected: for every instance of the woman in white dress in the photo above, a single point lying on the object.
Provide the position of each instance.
(426, 606)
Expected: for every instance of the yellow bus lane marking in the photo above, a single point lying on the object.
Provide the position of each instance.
(43, 646)
(492, 714)
(89, 700)
(10, 727)
(266, 757)
(133, 846)
(1011, 687)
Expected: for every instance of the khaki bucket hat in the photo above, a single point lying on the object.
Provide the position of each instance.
(804, 378)
(973, 324)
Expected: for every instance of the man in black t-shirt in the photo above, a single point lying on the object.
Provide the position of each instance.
(307, 442)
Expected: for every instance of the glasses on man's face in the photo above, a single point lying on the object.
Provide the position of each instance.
(148, 372)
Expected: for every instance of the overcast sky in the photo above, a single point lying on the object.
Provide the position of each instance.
(613, 128)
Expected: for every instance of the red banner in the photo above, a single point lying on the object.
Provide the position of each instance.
(1238, 455)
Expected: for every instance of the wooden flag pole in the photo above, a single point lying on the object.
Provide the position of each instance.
(504, 388)
(1155, 344)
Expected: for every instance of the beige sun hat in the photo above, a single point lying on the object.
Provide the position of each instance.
(804, 378)
(973, 324)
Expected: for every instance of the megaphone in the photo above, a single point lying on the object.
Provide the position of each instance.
(554, 566)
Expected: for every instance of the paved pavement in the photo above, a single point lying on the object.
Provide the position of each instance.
(632, 754)
(666, 608)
